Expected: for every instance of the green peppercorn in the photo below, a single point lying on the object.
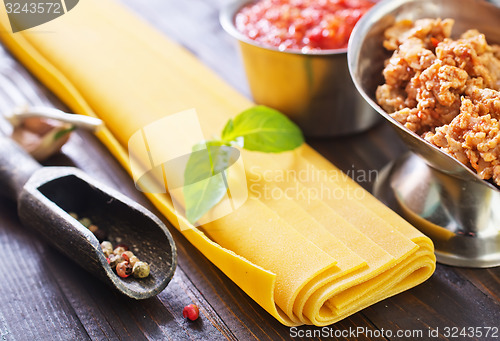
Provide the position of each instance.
(74, 215)
(85, 222)
(107, 248)
(132, 260)
(140, 270)
(119, 250)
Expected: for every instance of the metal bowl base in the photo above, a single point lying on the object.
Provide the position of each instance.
(461, 217)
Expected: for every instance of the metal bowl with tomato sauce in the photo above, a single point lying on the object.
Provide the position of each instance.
(295, 56)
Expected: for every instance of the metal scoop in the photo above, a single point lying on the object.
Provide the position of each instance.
(45, 195)
(437, 193)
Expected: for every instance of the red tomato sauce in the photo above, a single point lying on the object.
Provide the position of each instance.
(301, 24)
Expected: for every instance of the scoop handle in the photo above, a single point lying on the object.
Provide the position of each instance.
(16, 167)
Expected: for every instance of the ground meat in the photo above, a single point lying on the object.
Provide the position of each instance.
(487, 99)
(394, 98)
(495, 49)
(473, 138)
(446, 90)
(424, 29)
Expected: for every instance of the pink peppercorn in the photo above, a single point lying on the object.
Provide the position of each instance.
(191, 312)
(123, 269)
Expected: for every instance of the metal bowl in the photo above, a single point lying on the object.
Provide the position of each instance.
(367, 55)
(314, 89)
(444, 198)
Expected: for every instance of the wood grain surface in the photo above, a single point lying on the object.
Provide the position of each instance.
(45, 296)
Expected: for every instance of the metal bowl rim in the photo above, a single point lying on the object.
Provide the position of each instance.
(226, 18)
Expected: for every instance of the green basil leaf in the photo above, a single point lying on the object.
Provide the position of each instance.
(203, 195)
(204, 177)
(265, 130)
(258, 129)
(228, 128)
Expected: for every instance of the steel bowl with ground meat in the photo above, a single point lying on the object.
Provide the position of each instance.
(422, 94)
(430, 68)
(445, 90)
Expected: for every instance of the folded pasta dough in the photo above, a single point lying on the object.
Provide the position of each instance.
(306, 261)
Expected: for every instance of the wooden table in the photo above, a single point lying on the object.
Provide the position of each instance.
(44, 296)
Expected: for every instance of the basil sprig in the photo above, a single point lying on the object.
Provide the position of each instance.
(259, 128)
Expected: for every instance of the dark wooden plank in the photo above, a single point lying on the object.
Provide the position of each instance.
(486, 280)
(64, 302)
(32, 304)
(447, 299)
(107, 315)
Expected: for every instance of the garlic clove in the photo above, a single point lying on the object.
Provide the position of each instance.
(42, 137)
(39, 126)
(26, 139)
(52, 142)
(23, 113)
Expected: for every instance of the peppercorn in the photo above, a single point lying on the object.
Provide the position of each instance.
(73, 215)
(85, 222)
(107, 248)
(123, 269)
(127, 255)
(114, 260)
(124, 262)
(191, 312)
(140, 270)
(121, 245)
(119, 250)
(133, 260)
